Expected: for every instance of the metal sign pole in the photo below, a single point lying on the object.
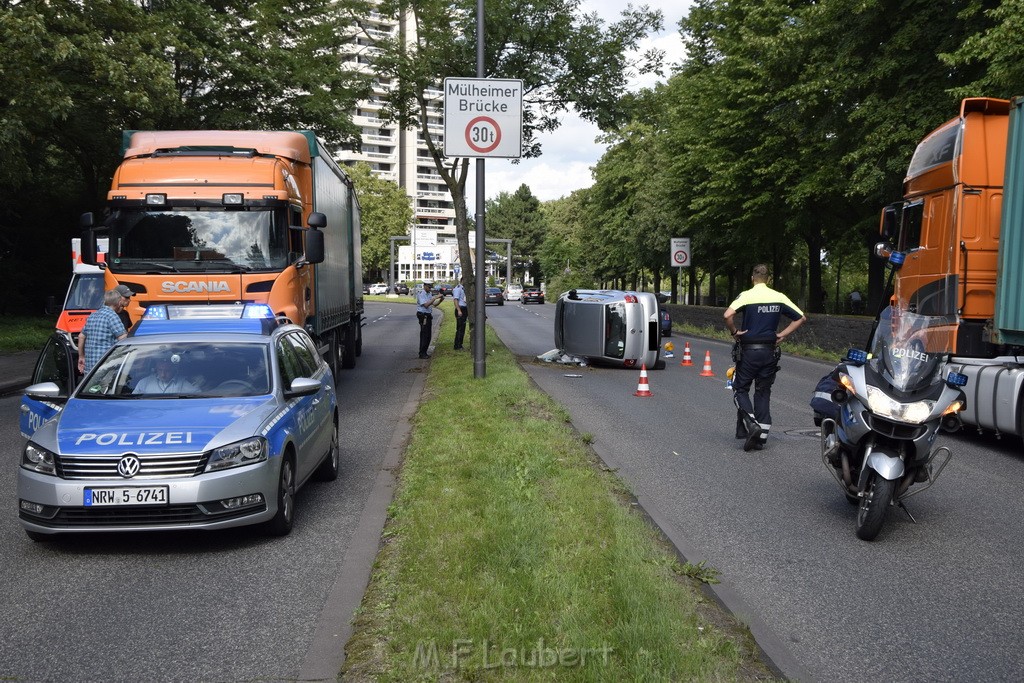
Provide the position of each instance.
(479, 341)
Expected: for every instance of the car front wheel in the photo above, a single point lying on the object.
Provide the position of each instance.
(284, 519)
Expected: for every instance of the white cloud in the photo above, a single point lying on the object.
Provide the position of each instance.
(569, 153)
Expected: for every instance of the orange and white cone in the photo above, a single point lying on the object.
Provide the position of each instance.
(706, 372)
(686, 355)
(643, 389)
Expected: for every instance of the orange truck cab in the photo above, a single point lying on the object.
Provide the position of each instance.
(236, 216)
(961, 227)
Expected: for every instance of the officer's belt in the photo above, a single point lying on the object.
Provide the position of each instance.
(757, 346)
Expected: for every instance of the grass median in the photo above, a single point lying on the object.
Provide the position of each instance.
(511, 554)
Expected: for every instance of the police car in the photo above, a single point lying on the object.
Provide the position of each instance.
(204, 417)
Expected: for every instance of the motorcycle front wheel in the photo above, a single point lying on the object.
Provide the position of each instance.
(874, 505)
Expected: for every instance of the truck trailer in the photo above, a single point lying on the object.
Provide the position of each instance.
(236, 217)
(960, 226)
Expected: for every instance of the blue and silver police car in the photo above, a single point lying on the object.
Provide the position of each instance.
(204, 417)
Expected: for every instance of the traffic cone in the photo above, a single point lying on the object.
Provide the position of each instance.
(642, 389)
(686, 355)
(706, 372)
(669, 348)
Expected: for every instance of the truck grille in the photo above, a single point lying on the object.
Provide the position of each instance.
(152, 466)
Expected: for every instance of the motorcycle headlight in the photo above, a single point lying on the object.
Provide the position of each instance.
(883, 406)
(237, 454)
(38, 459)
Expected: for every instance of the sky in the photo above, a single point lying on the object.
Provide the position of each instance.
(570, 151)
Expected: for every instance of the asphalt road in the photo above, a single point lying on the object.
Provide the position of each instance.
(940, 600)
(223, 606)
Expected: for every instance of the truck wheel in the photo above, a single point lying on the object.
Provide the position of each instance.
(336, 352)
(348, 355)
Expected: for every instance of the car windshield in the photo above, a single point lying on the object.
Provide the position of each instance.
(179, 370)
(908, 349)
(85, 292)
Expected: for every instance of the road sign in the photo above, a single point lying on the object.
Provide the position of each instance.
(680, 251)
(483, 117)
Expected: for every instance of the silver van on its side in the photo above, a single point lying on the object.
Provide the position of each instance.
(609, 327)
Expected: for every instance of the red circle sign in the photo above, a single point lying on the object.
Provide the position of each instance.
(483, 134)
(679, 257)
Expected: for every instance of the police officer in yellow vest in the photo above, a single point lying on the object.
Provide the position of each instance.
(758, 342)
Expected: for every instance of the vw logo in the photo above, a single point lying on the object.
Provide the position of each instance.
(128, 466)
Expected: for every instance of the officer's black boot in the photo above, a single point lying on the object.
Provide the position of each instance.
(753, 437)
(741, 426)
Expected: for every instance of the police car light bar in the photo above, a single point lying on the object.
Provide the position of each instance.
(208, 312)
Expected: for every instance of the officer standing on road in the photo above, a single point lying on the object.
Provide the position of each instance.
(102, 328)
(758, 362)
(424, 301)
(461, 314)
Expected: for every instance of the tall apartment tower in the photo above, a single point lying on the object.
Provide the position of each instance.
(401, 155)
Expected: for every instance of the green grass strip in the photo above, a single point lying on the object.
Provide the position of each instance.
(510, 554)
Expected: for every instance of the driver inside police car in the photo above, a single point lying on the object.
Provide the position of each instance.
(165, 379)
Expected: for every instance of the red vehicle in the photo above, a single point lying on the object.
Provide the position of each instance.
(532, 295)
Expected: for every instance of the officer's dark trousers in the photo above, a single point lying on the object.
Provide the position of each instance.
(758, 367)
(425, 320)
(460, 326)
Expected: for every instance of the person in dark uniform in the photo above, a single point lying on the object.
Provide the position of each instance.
(461, 314)
(425, 300)
(758, 342)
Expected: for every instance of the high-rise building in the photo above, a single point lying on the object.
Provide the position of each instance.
(401, 155)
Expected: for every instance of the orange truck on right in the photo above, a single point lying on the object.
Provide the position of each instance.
(960, 225)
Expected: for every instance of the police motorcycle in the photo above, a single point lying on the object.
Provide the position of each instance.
(881, 418)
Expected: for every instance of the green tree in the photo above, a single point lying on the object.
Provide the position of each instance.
(385, 212)
(564, 58)
(76, 74)
(518, 217)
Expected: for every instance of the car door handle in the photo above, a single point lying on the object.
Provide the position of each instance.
(316, 401)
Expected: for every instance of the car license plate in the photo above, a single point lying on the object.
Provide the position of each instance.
(126, 495)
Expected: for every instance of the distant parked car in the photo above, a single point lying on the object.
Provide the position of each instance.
(532, 295)
(401, 288)
(445, 288)
(513, 292)
(366, 288)
(378, 288)
(493, 295)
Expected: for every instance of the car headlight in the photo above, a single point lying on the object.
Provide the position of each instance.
(237, 454)
(38, 459)
(883, 406)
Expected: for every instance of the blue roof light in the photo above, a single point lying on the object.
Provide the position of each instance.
(956, 379)
(857, 356)
(155, 312)
(258, 311)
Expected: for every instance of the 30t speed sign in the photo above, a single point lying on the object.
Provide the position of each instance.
(483, 117)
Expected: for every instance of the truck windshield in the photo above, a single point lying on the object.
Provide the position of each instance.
(186, 239)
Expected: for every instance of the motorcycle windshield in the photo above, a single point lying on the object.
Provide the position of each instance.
(909, 350)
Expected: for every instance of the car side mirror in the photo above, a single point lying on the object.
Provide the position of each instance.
(43, 390)
(303, 386)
